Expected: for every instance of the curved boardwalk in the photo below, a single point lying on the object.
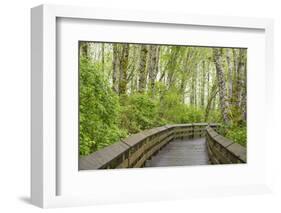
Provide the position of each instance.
(181, 153)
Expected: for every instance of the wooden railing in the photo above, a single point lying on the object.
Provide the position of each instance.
(136, 149)
(222, 150)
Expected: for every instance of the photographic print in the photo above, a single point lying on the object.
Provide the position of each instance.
(157, 105)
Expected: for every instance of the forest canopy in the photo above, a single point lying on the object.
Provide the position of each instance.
(127, 88)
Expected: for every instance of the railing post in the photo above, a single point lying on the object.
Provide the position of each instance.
(193, 130)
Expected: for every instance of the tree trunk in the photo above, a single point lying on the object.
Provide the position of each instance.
(243, 83)
(84, 50)
(240, 76)
(142, 68)
(115, 65)
(230, 69)
(184, 74)
(217, 52)
(208, 81)
(235, 53)
(171, 67)
(193, 95)
(203, 85)
(238, 81)
(152, 65)
(212, 96)
(124, 60)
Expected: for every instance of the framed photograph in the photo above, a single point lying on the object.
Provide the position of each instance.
(130, 106)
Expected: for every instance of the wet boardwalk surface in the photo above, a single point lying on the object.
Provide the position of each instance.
(181, 153)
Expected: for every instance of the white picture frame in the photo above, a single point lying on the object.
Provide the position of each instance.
(44, 154)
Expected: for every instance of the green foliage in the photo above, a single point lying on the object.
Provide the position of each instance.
(194, 115)
(236, 133)
(214, 117)
(99, 110)
(170, 106)
(138, 113)
(173, 110)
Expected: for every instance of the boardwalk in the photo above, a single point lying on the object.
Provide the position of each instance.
(162, 147)
(181, 153)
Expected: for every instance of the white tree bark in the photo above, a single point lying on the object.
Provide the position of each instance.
(142, 68)
(230, 70)
(217, 52)
(152, 66)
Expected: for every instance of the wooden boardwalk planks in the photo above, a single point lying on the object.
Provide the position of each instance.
(181, 153)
